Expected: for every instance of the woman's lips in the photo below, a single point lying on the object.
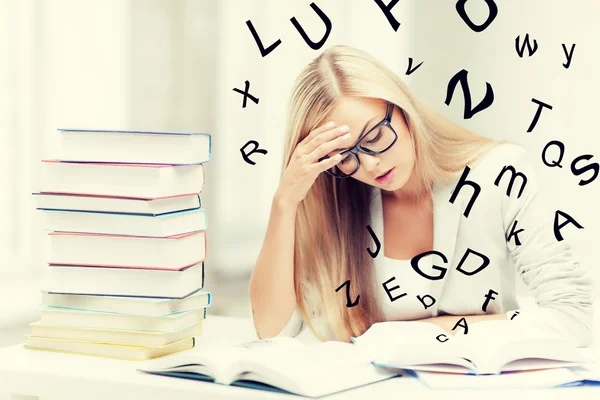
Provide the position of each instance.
(387, 177)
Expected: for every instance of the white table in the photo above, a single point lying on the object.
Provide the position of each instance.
(34, 374)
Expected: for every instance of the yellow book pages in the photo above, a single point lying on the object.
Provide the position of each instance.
(115, 351)
(113, 336)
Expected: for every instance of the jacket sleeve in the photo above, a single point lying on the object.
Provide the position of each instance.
(561, 286)
(295, 325)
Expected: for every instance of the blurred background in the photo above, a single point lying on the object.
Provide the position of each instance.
(173, 65)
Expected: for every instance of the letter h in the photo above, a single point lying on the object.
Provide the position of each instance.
(462, 182)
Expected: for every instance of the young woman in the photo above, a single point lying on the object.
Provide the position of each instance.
(368, 184)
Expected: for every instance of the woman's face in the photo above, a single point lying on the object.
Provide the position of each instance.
(362, 114)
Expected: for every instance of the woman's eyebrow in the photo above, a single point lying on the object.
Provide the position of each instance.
(361, 134)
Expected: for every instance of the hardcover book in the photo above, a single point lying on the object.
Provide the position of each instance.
(124, 180)
(123, 146)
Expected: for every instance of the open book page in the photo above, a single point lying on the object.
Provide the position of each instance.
(543, 378)
(485, 347)
(313, 370)
(282, 362)
(495, 346)
(402, 344)
(220, 362)
(589, 371)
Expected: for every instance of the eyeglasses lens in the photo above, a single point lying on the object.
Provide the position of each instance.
(380, 139)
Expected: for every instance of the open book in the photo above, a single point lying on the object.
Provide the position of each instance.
(281, 364)
(486, 347)
(386, 349)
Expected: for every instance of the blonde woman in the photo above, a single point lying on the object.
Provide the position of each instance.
(368, 183)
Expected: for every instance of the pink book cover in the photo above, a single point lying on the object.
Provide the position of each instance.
(116, 197)
(121, 197)
(112, 164)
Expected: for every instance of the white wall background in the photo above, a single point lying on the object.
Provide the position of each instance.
(172, 65)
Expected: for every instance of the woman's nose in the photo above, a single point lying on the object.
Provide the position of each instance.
(368, 162)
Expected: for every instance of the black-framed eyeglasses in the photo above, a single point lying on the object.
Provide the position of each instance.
(377, 140)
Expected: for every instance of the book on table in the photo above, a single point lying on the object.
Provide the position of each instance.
(133, 353)
(385, 350)
(127, 243)
(96, 319)
(126, 337)
(120, 180)
(281, 364)
(104, 250)
(112, 204)
(112, 281)
(585, 374)
(127, 304)
(126, 146)
(488, 347)
(169, 224)
(535, 378)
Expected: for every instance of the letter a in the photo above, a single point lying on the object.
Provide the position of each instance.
(463, 326)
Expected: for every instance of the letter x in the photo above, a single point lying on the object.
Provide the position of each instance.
(246, 94)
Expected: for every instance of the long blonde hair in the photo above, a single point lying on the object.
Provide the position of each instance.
(331, 237)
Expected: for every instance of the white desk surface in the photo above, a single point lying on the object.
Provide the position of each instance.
(46, 374)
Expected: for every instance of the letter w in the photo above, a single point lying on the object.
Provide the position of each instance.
(527, 43)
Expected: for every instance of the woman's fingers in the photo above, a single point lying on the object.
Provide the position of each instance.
(338, 135)
(317, 131)
(329, 162)
(337, 144)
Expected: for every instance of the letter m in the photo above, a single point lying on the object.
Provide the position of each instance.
(513, 175)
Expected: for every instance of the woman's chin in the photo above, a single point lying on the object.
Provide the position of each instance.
(397, 182)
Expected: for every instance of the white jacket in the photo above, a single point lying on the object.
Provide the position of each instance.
(562, 288)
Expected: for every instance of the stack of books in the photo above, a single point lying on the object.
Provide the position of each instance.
(127, 244)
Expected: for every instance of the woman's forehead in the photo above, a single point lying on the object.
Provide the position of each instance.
(356, 111)
(360, 115)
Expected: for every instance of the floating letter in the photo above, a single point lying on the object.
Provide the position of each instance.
(422, 300)
(463, 326)
(246, 94)
(485, 263)
(558, 227)
(461, 77)
(349, 304)
(389, 290)
(414, 262)
(489, 296)
(254, 150)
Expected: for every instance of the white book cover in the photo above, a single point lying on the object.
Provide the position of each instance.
(123, 146)
(128, 304)
(121, 180)
(162, 225)
(112, 281)
(132, 205)
(91, 249)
